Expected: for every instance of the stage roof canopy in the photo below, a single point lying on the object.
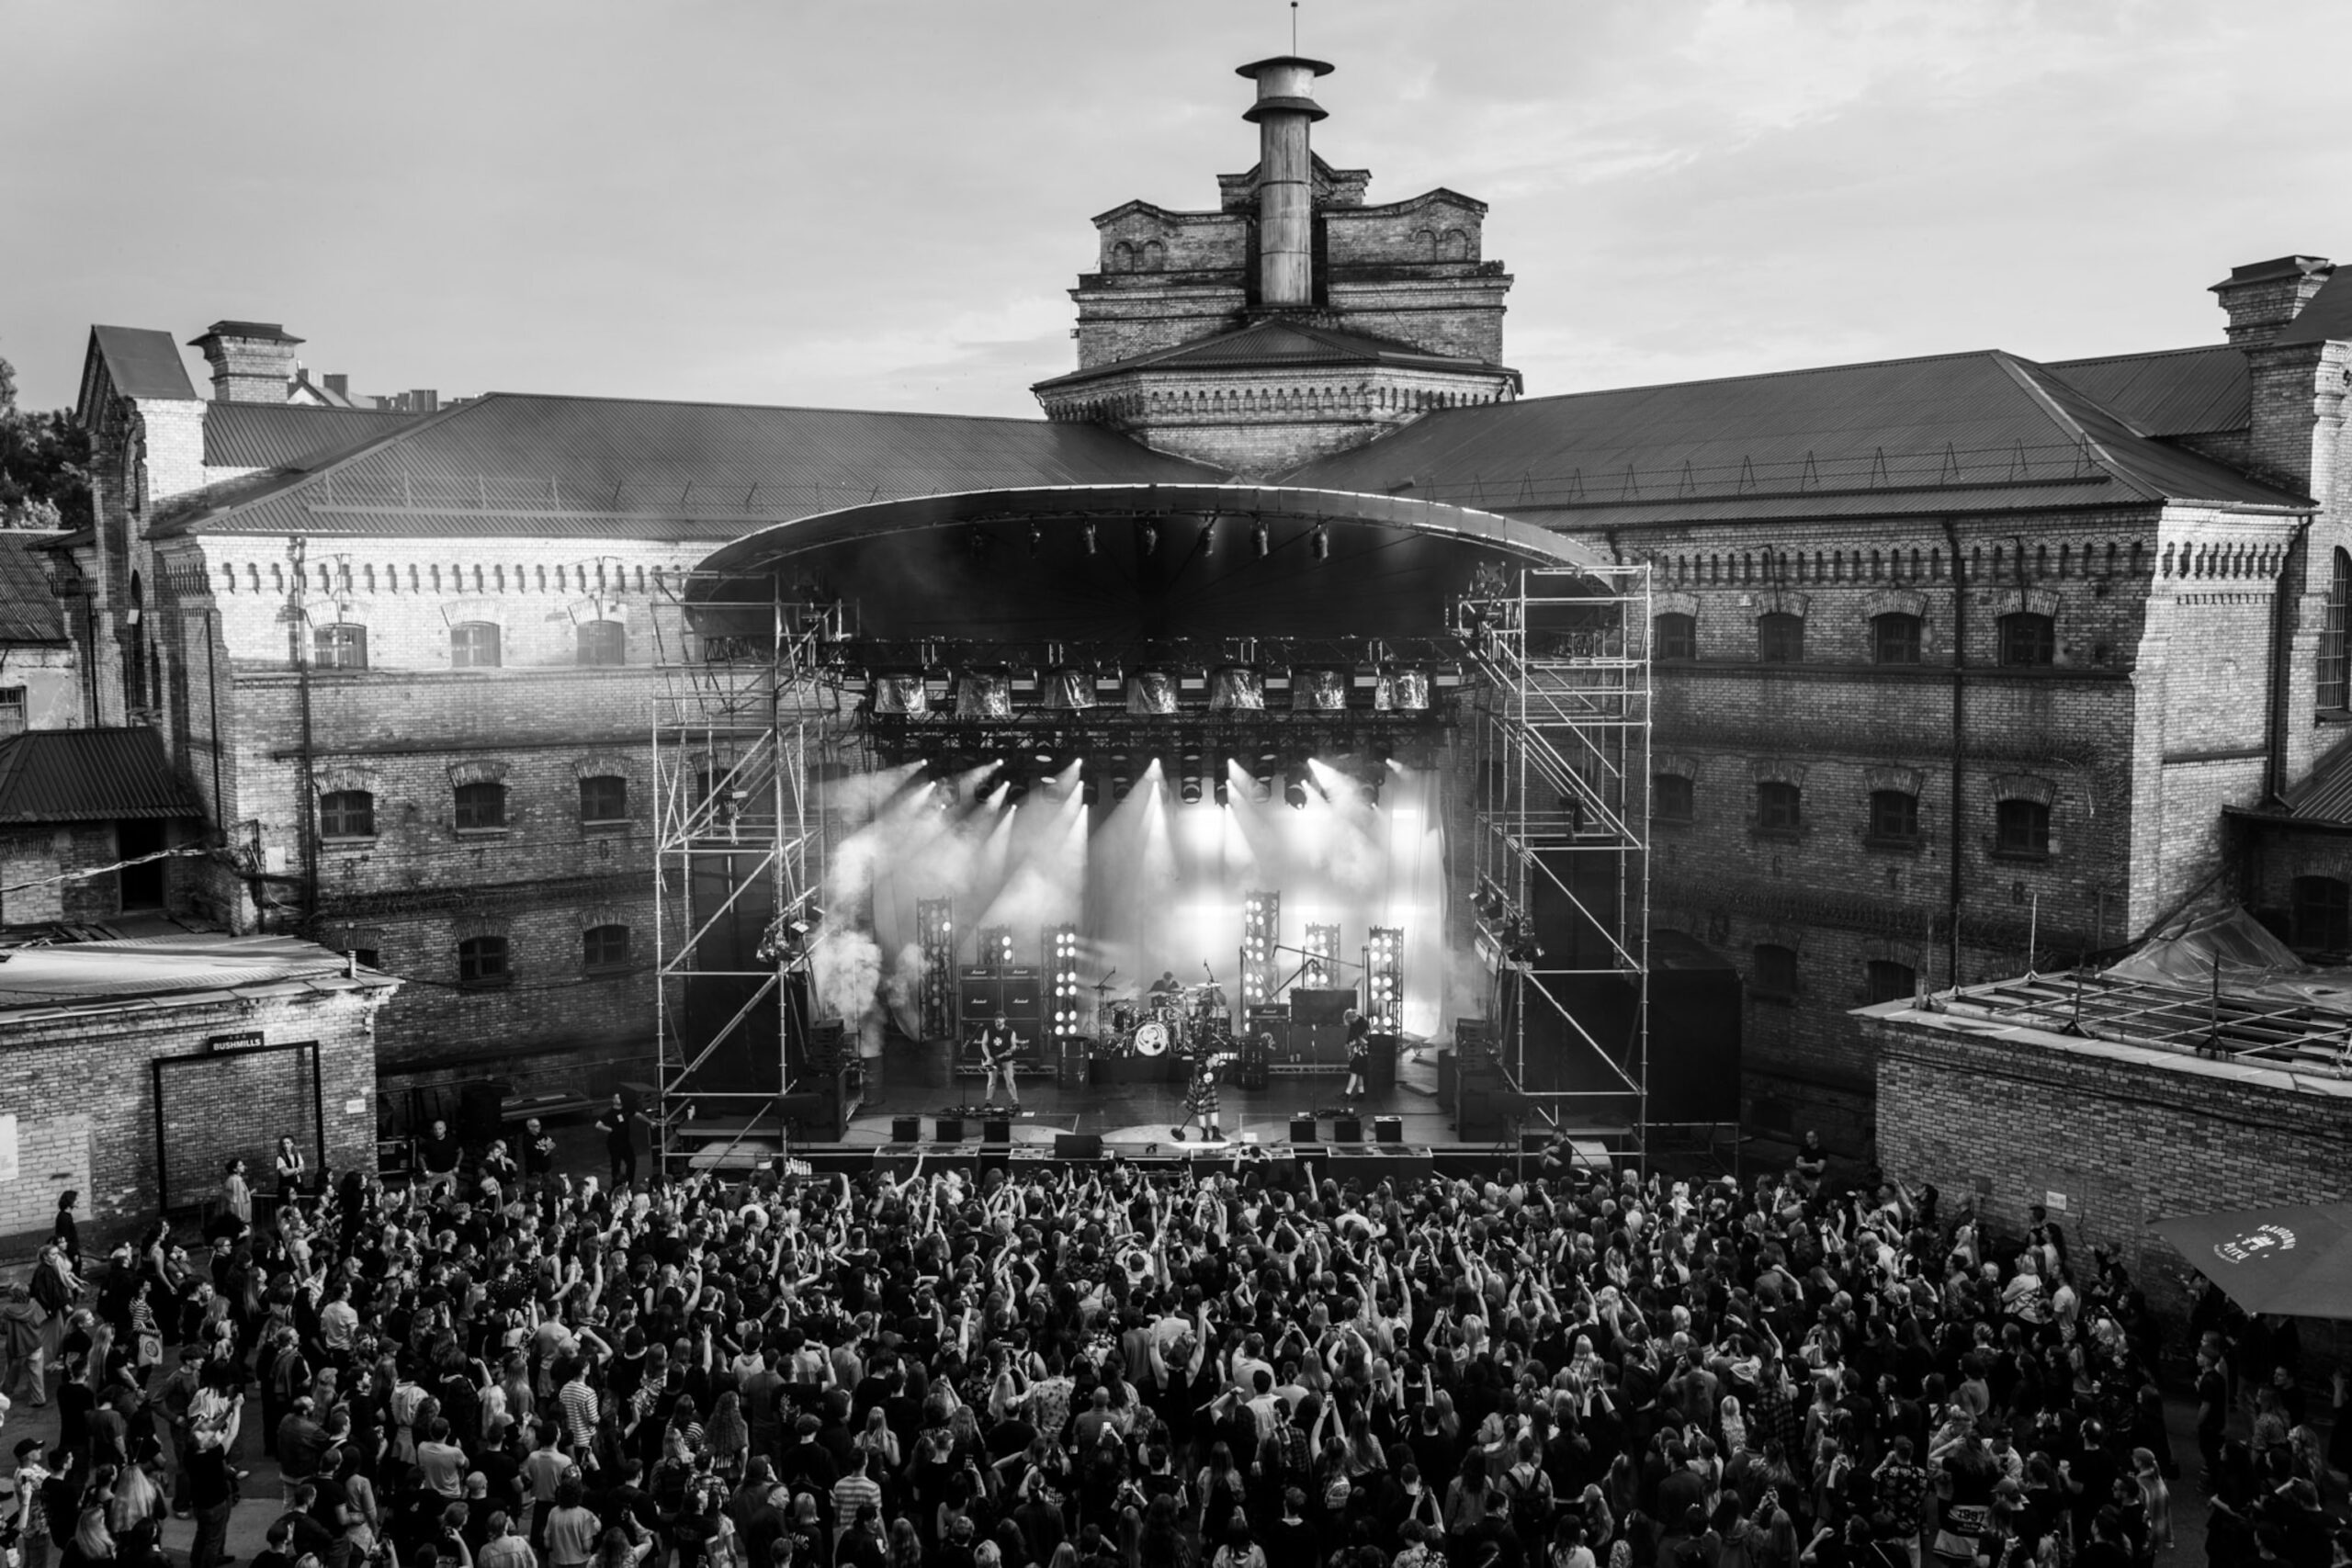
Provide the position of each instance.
(1139, 562)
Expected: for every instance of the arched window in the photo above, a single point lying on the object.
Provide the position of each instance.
(1895, 818)
(1675, 637)
(1776, 972)
(2335, 666)
(1780, 638)
(1888, 981)
(347, 814)
(1780, 808)
(2322, 910)
(473, 645)
(602, 642)
(481, 961)
(1894, 638)
(340, 646)
(1672, 798)
(2029, 640)
(604, 798)
(603, 947)
(480, 808)
(2021, 828)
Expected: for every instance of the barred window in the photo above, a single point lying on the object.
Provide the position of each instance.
(603, 947)
(1895, 817)
(2334, 656)
(1779, 807)
(1780, 638)
(480, 807)
(604, 798)
(2029, 640)
(347, 814)
(481, 961)
(342, 645)
(1674, 638)
(1895, 640)
(2323, 912)
(1672, 798)
(473, 645)
(2021, 828)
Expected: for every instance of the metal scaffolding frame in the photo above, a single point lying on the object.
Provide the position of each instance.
(739, 717)
(1563, 744)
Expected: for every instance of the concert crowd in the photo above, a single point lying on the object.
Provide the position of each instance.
(1553, 1367)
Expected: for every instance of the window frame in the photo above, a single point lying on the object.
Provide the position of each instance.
(1784, 983)
(485, 962)
(1877, 979)
(15, 709)
(592, 962)
(1913, 628)
(2010, 632)
(467, 639)
(2333, 693)
(1779, 637)
(587, 634)
(1663, 787)
(466, 800)
(333, 642)
(1677, 644)
(1778, 815)
(2338, 915)
(1875, 826)
(608, 820)
(2018, 822)
(335, 819)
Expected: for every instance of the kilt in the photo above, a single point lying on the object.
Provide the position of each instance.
(1201, 1098)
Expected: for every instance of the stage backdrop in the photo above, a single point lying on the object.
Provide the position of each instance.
(1151, 884)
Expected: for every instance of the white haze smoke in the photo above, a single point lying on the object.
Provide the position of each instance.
(845, 970)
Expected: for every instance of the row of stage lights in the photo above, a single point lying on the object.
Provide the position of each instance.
(985, 693)
(1200, 776)
(982, 543)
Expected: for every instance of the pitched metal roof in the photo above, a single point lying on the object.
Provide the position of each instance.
(512, 464)
(2327, 316)
(270, 436)
(141, 363)
(2181, 391)
(1986, 431)
(2324, 794)
(1276, 342)
(89, 775)
(29, 610)
(175, 969)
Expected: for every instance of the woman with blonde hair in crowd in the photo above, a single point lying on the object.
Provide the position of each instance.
(2156, 1498)
(135, 1515)
(92, 1542)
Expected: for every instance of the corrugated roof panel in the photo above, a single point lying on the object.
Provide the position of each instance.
(1849, 438)
(96, 972)
(2324, 794)
(2181, 391)
(2327, 316)
(29, 610)
(605, 468)
(270, 436)
(89, 775)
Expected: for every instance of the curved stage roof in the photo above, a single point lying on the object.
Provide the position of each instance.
(1167, 562)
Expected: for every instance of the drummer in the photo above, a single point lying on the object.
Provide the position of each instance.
(1165, 991)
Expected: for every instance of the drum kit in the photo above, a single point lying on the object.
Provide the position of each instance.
(1189, 1022)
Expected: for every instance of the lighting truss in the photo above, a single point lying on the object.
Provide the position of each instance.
(1385, 979)
(935, 933)
(1323, 956)
(1061, 946)
(1262, 921)
(995, 953)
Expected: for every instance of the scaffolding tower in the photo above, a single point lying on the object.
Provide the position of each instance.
(741, 716)
(1563, 831)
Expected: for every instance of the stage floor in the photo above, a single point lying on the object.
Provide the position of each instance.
(916, 1082)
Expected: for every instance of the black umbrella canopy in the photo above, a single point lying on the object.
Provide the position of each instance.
(1140, 563)
(2295, 1260)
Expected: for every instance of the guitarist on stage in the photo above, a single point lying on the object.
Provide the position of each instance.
(997, 1045)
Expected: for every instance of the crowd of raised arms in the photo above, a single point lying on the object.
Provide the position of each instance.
(944, 1369)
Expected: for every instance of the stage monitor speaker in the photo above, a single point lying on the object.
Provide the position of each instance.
(1077, 1145)
(906, 1129)
(1320, 1007)
(1347, 1130)
(951, 1129)
(1302, 1129)
(1380, 1063)
(481, 1110)
(996, 1130)
(1388, 1129)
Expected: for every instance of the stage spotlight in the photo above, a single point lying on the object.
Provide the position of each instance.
(1090, 789)
(1093, 542)
(1208, 537)
(1147, 538)
(1322, 543)
(1016, 790)
(1036, 541)
(1224, 777)
(1189, 785)
(1263, 540)
(1294, 788)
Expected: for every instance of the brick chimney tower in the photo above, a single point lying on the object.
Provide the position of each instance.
(1285, 107)
(252, 361)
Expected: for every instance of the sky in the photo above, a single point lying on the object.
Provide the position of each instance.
(884, 203)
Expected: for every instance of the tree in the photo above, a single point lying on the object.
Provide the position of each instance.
(44, 464)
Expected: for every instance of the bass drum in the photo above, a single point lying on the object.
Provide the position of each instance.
(1152, 1040)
